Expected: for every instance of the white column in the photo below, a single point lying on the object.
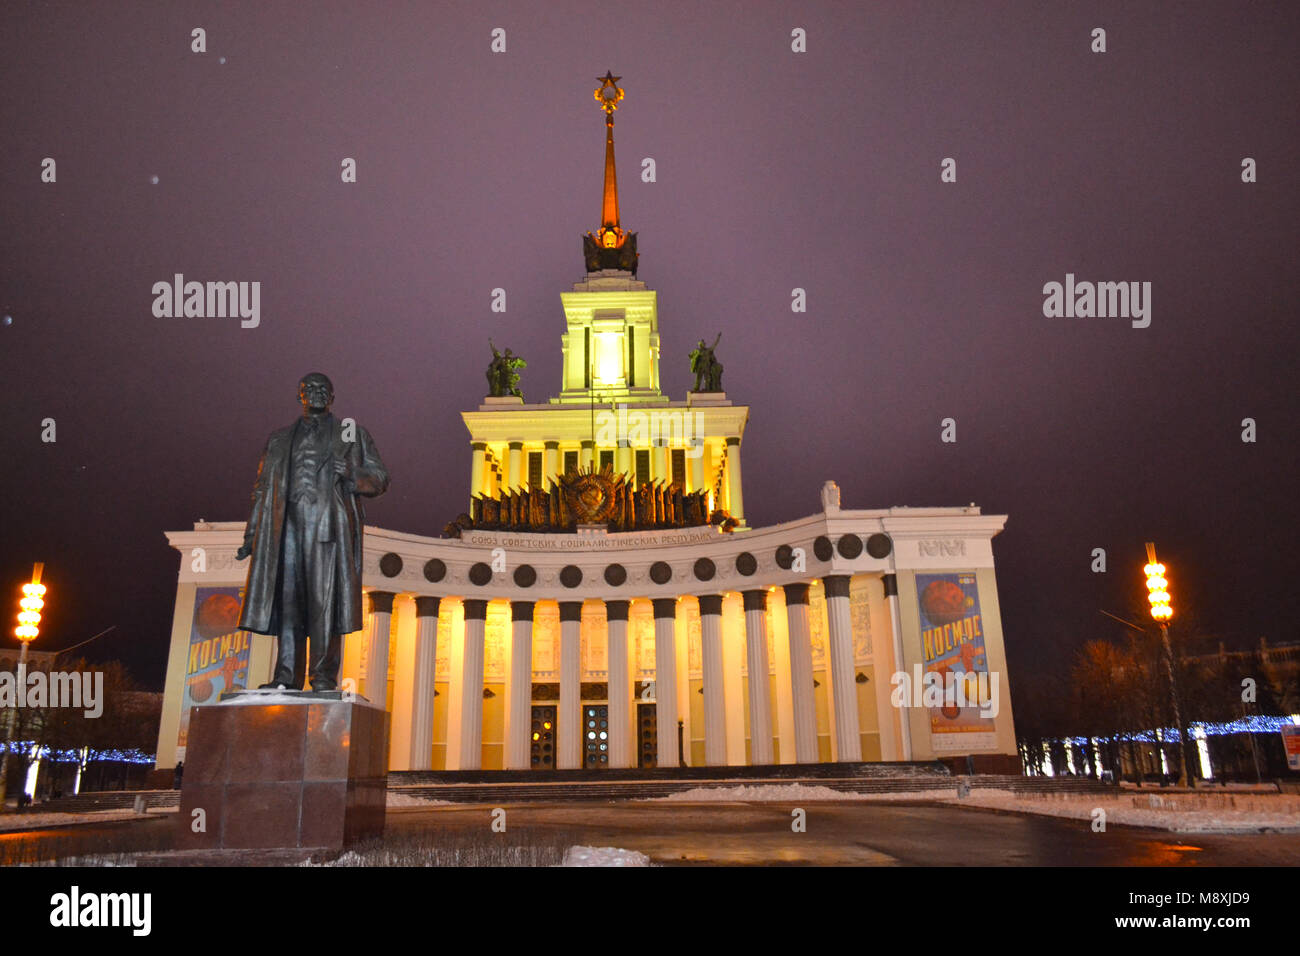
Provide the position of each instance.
(426, 652)
(733, 695)
(623, 459)
(890, 582)
(666, 680)
(550, 464)
(620, 689)
(477, 465)
(471, 701)
(587, 454)
(660, 469)
(568, 735)
(695, 465)
(519, 688)
(801, 673)
(378, 633)
(715, 709)
(514, 460)
(844, 692)
(736, 503)
(760, 678)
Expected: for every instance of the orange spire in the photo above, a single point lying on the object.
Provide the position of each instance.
(608, 96)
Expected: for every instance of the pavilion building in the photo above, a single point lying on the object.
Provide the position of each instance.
(603, 603)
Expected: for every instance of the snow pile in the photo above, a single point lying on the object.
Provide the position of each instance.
(39, 821)
(787, 792)
(406, 800)
(1188, 816)
(603, 856)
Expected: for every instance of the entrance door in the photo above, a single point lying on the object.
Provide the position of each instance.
(595, 736)
(543, 748)
(647, 727)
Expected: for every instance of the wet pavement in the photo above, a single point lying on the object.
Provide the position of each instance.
(848, 833)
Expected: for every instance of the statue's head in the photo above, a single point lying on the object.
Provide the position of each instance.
(316, 392)
(701, 343)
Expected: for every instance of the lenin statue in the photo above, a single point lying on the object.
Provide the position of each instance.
(304, 535)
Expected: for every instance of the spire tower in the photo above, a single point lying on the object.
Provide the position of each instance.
(610, 247)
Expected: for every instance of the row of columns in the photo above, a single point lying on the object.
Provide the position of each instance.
(515, 471)
(518, 718)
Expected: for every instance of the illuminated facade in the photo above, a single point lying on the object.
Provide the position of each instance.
(679, 644)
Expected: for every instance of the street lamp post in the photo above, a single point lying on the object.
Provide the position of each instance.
(1161, 611)
(29, 617)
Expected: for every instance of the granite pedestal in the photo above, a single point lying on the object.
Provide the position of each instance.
(284, 769)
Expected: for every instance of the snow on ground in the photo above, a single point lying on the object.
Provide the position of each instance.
(786, 792)
(603, 856)
(35, 821)
(406, 800)
(1193, 813)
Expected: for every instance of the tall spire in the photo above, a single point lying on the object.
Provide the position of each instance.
(610, 247)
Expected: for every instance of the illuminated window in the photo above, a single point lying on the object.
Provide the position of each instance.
(535, 469)
(642, 466)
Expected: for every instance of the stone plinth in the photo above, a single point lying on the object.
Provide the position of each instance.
(284, 770)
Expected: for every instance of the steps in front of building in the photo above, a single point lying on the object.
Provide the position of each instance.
(767, 773)
(496, 786)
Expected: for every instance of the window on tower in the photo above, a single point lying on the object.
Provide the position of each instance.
(642, 466)
(679, 467)
(535, 469)
(570, 461)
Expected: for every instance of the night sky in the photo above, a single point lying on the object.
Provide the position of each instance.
(775, 170)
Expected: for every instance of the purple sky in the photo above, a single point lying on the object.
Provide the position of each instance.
(775, 170)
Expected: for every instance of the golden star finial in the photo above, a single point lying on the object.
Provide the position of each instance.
(608, 94)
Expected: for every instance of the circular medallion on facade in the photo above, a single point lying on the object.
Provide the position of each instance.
(525, 576)
(571, 576)
(590, 497)
(434, 570)
(785, 557)
(615, 575)
(390, 565)
(746, 563)
(879, 545)
(850, 546)
(480, 574)
(705, 569)
(660, 572)
(822, 548)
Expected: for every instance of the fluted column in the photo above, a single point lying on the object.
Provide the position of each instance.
(519, 691)
(620, 690)
(477, 464)
(903, 716)
(378, 633)
(568, 733)
(623, 459)
(666, 680)
(844, 691)
(471, 700)
(550, 464)
(801, 673)
(587, 457)
(426, 653)
(715, 708)
(736, 502)
(760, 678)
(514, 463)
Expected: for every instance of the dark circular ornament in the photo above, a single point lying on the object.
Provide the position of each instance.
(822, 548)
(850, 546)
(660, 572)
(746, 563)
(785, 557)
(615, 575)
(390, 565)
(571, 576)
(705, 569)
(879, 545)
(480, 574)
(525, 576)
(434, 570)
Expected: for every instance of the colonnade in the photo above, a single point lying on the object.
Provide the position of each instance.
(465, 752)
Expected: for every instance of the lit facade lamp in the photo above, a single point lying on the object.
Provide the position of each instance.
(1161, 611)
(29, 620)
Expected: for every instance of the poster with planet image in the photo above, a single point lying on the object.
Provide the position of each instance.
(219, 652)
(952, 647)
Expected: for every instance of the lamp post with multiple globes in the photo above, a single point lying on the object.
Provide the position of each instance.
(1161, 612)
(29, 617)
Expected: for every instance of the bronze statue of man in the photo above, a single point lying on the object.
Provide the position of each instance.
(304, 535)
